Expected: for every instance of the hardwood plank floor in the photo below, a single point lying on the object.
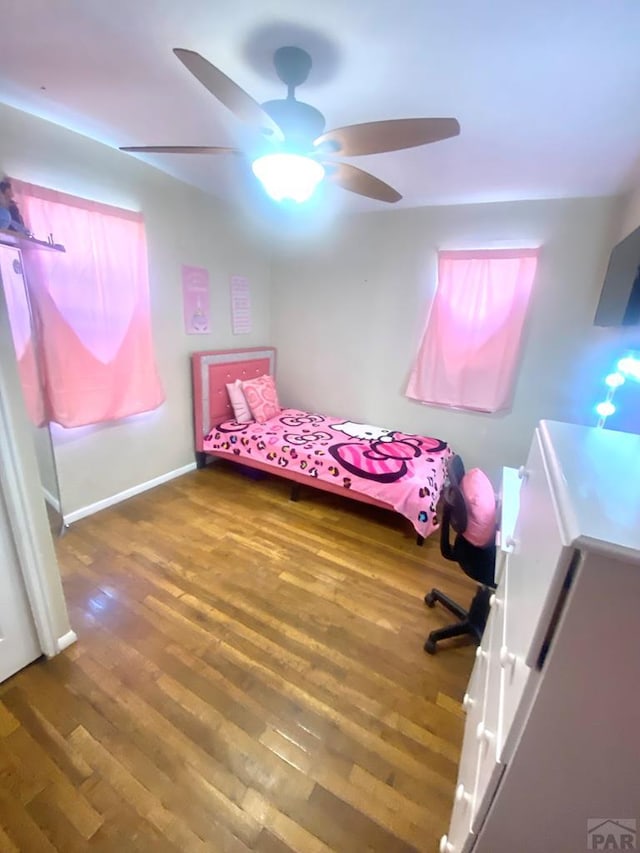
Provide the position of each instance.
(249, 676)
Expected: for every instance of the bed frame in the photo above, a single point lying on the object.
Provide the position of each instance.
(211, 371)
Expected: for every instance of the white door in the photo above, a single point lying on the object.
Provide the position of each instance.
(18, 639)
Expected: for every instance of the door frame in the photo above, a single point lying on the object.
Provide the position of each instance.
(19, 512)
(18, 474)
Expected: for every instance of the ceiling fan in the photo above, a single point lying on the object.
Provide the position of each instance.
(296, 152)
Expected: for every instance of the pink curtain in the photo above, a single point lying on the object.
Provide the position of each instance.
(92, 307)
(469, 352)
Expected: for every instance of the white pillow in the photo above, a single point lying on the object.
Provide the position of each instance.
(239, 404)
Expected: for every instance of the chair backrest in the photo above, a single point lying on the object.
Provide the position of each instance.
(477, 563)
(453, 498)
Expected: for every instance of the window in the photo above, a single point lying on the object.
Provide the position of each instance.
(92, 308)
(468, 355)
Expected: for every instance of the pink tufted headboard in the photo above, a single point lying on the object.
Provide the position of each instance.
(211, 370)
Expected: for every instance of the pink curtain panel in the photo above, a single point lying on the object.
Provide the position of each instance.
(93, 309)
(469, 351)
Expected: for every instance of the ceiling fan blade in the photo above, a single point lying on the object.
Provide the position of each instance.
(228, 92)
(356, 181)
(180, 149)
(376, 137)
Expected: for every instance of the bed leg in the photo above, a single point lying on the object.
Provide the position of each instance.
(419, 540)
(201, 459)
(295, 492)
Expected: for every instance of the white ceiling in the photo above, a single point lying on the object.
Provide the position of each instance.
(547, 93)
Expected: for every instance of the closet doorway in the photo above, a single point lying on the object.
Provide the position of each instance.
(19, 643)
(25, 344)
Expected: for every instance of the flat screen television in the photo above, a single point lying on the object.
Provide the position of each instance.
(619, 303)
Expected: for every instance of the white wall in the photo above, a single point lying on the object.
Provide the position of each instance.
(45, 458)
(629, 218)
(346, 312)
(349, 309)
(183, 226)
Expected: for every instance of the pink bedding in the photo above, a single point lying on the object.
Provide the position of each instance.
(403, 471)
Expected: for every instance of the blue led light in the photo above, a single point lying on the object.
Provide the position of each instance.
(627, 369)
(605, 409)
(630, 367)
(614, 380)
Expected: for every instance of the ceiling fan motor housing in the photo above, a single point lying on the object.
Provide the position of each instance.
(301, 123)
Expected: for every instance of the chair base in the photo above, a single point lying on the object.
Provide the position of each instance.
(471, 622)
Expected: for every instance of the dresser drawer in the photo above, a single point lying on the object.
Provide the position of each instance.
(514, 668)
(489, 730)
(536, 554)
(474, 703)
(459, 837)
(501, 561)
(492, 716)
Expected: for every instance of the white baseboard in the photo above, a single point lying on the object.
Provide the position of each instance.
(66, 640)
(49, 498)
(128, 493)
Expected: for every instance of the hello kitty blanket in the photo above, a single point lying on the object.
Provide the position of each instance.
(404, 471)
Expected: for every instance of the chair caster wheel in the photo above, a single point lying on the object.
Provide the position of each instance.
(430, 647)
(430, 599)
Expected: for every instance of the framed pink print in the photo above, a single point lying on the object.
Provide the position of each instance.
(195, 295)
(240, 305)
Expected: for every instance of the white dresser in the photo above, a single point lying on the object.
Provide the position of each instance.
(551, 754)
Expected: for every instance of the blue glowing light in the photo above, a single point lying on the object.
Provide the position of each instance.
(630, 367)
(605, 409)
(614, 380)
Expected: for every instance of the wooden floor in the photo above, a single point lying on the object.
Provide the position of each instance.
(249, 675)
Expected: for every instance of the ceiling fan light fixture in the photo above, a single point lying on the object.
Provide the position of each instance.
(298, 129)
(288, 176)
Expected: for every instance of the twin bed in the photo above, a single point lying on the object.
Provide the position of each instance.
(386, 468)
